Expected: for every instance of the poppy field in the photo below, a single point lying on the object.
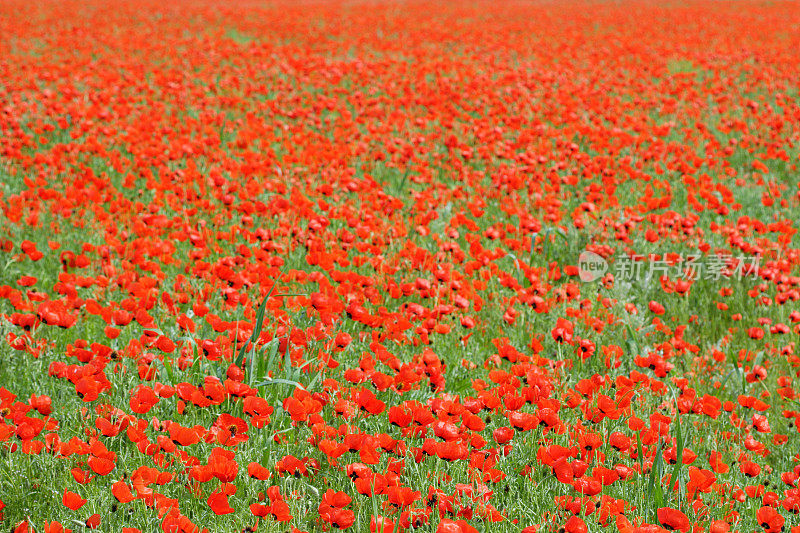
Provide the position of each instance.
(389, 267)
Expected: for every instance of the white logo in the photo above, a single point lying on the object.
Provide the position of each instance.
(591, 266)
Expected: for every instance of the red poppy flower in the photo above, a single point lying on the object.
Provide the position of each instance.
(93, 522)
(218, 501)
(122, 492)
(72, 500)
(455, 526)
(769, 519)
(673, 519)
(563, 331)
(575, 525)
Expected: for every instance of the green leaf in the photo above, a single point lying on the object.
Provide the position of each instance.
(251, 367)
(265, 361)
(679, 459)
(654, 490)
(533, 246)
(287, 361)
(167, 364)
(640, 453)
(632, 344)
(259, 324)
(280, 381)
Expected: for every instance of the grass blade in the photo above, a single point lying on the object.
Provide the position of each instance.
(679, 458)
(258, 325)
(280, 381)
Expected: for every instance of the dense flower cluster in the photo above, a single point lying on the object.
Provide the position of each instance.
(312, 266)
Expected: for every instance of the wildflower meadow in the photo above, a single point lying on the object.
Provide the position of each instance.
(385, 266)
